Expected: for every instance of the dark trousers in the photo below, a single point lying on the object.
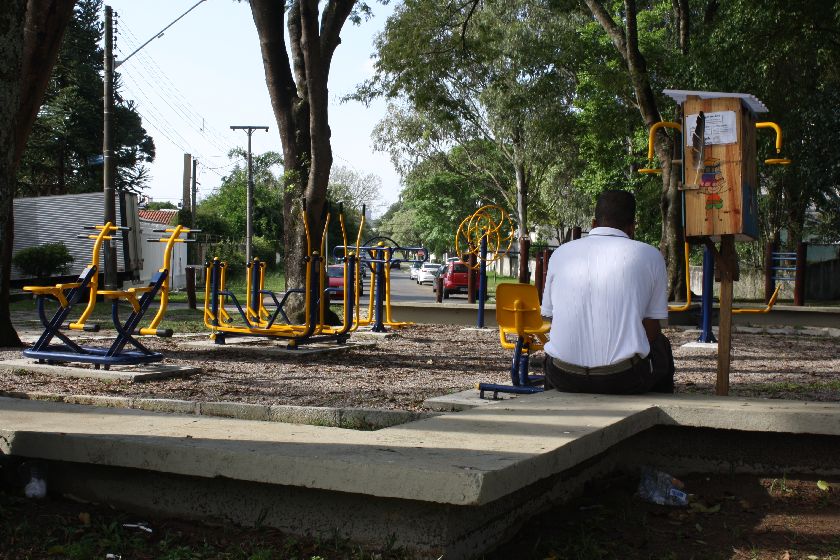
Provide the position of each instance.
(654, 374)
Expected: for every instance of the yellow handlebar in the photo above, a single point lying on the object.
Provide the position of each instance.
(651, 135)
(778, 130)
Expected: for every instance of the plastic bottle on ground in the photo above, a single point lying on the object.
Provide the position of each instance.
(661, 488)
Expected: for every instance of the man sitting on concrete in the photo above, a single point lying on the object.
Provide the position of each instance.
(606, 295)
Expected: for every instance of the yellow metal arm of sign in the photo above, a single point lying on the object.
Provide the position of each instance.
(650, 169)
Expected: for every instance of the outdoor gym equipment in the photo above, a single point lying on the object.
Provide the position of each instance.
(518, 313)
(140, 299)
(717, 152)
(487, 230)
(256, 320)
(380, 254)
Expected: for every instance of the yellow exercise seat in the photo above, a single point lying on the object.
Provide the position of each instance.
(518, 313)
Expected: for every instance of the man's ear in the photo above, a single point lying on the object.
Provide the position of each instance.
(594, 223)
(631, 231)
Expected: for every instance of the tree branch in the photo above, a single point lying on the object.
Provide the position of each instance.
(332, 20)
(614, 32)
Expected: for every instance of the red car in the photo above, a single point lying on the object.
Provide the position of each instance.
(454, 279)
(335, 278)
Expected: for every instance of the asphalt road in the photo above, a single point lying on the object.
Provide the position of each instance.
(404, 289)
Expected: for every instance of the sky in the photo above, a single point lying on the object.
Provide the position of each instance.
(205, 74)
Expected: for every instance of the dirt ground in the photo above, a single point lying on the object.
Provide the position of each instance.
(738, 517)
(430, 360)
(735, 517)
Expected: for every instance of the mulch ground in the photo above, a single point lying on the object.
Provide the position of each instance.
(431, 360)
(739, 517)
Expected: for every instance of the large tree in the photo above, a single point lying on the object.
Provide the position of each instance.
(63, 153)
(297, 85)
(476, 72)
(30, 36)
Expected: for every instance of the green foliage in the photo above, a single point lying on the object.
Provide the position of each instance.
(473, 77)
(44, 261)
(160, 205)
(63, 152)
(223, 213)
(233, 253)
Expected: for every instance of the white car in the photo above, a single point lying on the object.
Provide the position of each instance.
(427, 273)
(415, 268)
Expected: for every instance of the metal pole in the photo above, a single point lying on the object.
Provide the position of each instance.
(799, 278)
(249, 204)
(706, 334)
(379, 296)
(108, 175)
(249, 197)
(482, 281)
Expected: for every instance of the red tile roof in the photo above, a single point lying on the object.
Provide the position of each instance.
(157, 216)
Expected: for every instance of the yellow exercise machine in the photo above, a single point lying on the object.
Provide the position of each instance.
(380, 254)
(139, 299)
(255, 318)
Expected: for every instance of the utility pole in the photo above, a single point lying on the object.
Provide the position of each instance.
(185, 182)
(108, 171)
(194, 192)
(249, 197)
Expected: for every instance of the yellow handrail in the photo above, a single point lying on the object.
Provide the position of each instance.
(767, 309)
(651, 135)
(778, 130)
(174, 237)
(687, 286)
(105, 232)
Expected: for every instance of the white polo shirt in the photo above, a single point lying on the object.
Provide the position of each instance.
(597, 291)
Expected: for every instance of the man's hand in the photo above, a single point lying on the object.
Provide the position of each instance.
(652, 328)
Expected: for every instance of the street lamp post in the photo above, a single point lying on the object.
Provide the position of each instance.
(249, 196)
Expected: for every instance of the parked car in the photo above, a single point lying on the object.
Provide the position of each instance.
(415, 268)
(335, 278)
(427, 273)
(454, 279)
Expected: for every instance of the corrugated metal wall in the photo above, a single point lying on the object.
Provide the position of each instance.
(50, 219)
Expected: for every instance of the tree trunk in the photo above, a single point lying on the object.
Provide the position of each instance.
(12, 18)
(627, 44)
(300, 99)
(30, 37)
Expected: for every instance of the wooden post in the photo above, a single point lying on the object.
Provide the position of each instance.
(190, 270)
(539, 277)
(727, 265)
(471, 278)
(439, 290)
(769, 273)
(799, 280)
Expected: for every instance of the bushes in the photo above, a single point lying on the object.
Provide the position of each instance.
(233, 252)
(44, 261)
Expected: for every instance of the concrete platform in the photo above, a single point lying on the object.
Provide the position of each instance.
(464, 400)
(455, 484)
(132, 374)
(274, 347)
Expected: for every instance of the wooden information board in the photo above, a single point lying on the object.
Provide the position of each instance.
(720, 190)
